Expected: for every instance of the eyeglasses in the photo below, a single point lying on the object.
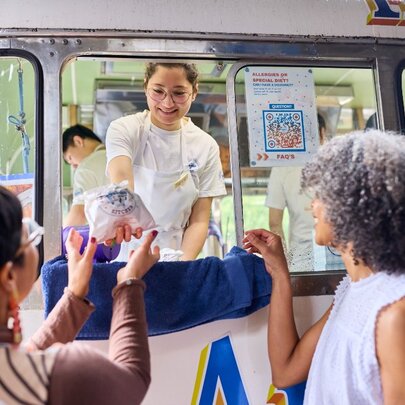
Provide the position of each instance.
(35, 233)
(177, 96)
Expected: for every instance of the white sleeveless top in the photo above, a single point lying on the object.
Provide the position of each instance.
(24, 377)
(344, 368)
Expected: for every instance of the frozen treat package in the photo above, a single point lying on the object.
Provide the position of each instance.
(110, 206)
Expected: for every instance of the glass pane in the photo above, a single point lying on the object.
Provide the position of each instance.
(327, 102)
(17, 129)
(98, 91)
(17, 139)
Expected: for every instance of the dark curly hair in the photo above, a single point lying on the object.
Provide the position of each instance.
(360, 178)
(10, 225)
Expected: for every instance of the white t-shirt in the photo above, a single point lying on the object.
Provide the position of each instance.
(284, 191)
(163, 152)
(90, 174)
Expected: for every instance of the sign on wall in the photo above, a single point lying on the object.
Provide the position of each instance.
(386, 12)
(282, 118)
(219, 381)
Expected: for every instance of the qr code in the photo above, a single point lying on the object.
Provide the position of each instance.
(284, 130)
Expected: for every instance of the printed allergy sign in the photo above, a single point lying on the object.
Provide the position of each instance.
(282, 119)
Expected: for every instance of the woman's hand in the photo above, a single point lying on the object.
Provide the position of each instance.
(123, 233)
(80, 266)
(270, 246)
(140, 260)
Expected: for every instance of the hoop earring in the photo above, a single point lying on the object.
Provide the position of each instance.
(333, 252)
(14, 313)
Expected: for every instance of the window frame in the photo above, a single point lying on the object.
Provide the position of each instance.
(38, 189)
(54, 48)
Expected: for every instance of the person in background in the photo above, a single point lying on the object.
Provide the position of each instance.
(225, 155)
(85, 152)
(172, 164)
(355, 354)
(284, 191)
(69, 374)
(219, 130)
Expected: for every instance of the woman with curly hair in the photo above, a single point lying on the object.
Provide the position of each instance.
(355, 354)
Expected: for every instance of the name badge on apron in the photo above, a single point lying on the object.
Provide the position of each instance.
(181, 180)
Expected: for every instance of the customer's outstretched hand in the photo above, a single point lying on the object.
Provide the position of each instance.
(270, 246)
(140, 260)
(80, 266)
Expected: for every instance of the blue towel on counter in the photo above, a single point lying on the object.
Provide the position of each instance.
(179, 295)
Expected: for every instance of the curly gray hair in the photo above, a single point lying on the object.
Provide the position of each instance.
(360, 178)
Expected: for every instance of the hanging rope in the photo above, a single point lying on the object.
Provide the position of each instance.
(20, 121)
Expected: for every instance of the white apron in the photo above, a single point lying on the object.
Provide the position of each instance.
(168, 195)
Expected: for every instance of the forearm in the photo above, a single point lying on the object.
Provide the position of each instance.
(63, 323)
(128, 335)
(282, 332)
(276, 221)
(120, 169)
(75, 217)
(196, 232)
(83, 375)
(290, 356)
(193, 240)
(121, 176)
(278, 229)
